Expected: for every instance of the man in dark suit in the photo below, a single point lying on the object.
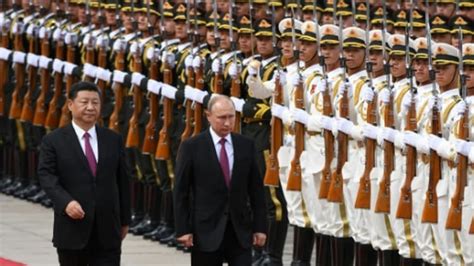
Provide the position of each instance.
(82, 168)
(218, 194)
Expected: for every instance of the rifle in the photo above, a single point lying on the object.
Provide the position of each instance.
(3, 65)
(117, 87)
(382, 204)
(404, 210)
(335, 193)
(272, 168)
(235, 85)
(150, 141)
(190, 80)
(102, 58)
(163, 150)
(454, 220)
(52, 118)
(27, 108)
(430, 209)
(294, 179)
(133, 136)
(198, 84)
(90, 52)
(41, 107)
(17, 98)
(363, 193)
(70, 79)
(218, 77)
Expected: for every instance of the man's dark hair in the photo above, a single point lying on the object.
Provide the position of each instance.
(82, 86)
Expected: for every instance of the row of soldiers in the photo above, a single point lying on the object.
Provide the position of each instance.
(362, 112)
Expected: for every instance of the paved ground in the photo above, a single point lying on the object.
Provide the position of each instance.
(26, 229)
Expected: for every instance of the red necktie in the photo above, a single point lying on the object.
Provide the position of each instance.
(90, 154)
(224, 162)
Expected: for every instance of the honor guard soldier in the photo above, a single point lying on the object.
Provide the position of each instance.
(440, 29)
(446, 8)
(460, 22)
(377, 19)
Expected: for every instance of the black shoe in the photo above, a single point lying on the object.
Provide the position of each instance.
(167, 240)
(5, 183)
(147, 227)
(47, 203)
(136, 219)
(31, 190)
(38, 197)
(10, 190)
(166, 232)
(151, 233)
(179, 246)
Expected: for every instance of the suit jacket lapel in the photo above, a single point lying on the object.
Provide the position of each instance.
(236, 165)
(101, 139)
(214, 157)
(73, 138)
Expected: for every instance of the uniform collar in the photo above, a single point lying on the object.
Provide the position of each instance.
(449, 94)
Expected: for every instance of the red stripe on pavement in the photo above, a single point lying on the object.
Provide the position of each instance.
(5, 262)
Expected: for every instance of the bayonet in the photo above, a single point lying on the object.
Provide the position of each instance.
(354, 22)
(386, 64)
(367, 49)
(251, 26)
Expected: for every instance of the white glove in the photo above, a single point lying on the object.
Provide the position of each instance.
(345, 126)
(423, 145)
(57, 34)
(58, 65)
(296, 80)
(238, 103)
(322, 85)
(463, 147)
(104, 74)
(119, 45)
(137, 78)
(327, 122)
(89, 70)
(102, 41)
(44, 62)
(19, 57)
(406, 102)
(169, 58)
(257, 89)
(252, 70)
(300, 115)
(18, 28)
(153, 86)
(32, 60)
(188, 62)
(281, 74)
(389, 134)
(69, 68)
(410, 138)
(399, 141)
(368, 94)
(370, 131)
(119, 76)
(384, 96)
(216, 65)
(71, 38)
(43, 33)
(277, 110)
(471, 155)
(431, 103)
(168, 91)
(234, 69)
(152, 53)
(4, 53)
(189, 93)
(197, 62)
(345, 86)
(444, 148)
(199, 95)
(434, 142)
(30, 31)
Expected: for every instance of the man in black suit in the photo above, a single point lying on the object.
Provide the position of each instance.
(218, 194)
(82, 168)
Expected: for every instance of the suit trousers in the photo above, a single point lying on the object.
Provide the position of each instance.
(91, 255)
(230, 251)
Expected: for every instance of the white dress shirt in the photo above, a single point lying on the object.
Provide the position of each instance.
(92, 139)
(229, 148)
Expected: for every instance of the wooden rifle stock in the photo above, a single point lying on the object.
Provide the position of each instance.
(17, 97)
(335, 193)
(382, 204)
(430, 209)
(102, 84)
(188, 129)
(65, 114)
(163, 151)
(132, 136)
(294, 179)
(198, 84)
(404, 209)
(119, 64)
(54, 112)
(90, 58)
(363, 193)
(471, 228)
(235, 91)
(454, 220)
(4, 73)
(273, 169)
(27, 111)
(151, 132)
(218, 81)
(41, 107)
(328, 148)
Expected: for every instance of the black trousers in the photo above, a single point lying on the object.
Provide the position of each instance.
(92, 255)
(230, 251)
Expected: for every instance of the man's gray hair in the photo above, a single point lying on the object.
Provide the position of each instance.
(218, 98)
